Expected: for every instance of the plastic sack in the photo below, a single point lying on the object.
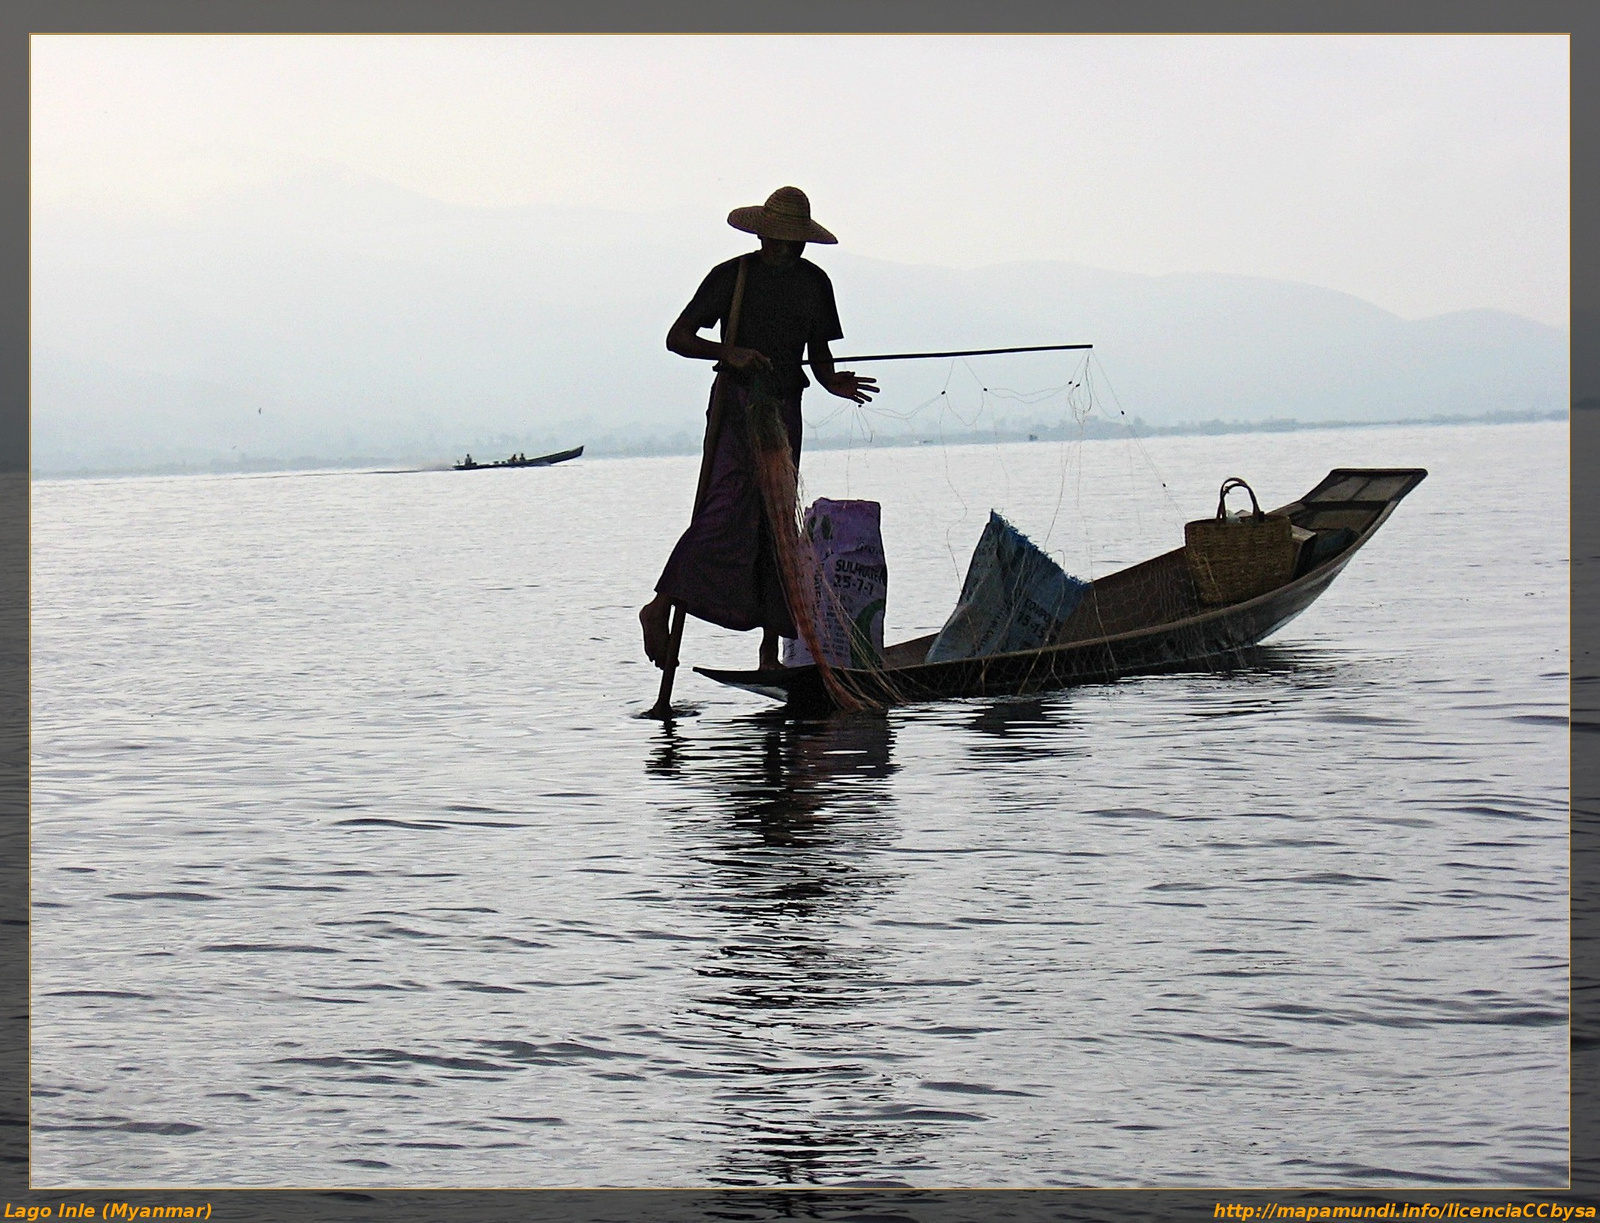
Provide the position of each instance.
(1014, 598)
(850, 585)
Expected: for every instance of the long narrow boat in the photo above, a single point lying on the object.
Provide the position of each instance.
(1141, 620)
(516, 460)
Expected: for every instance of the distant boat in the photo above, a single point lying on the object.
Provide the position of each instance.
(518, 460)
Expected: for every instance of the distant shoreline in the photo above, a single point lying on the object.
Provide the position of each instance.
(1094, 429)
(1097, 429)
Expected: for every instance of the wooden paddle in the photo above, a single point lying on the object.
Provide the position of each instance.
(669, 665)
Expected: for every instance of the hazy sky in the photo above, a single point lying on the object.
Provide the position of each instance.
(1422, 173)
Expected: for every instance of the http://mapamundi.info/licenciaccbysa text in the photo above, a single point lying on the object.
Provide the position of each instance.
(1558, 1211)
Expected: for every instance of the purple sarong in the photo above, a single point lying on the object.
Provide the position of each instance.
(724, 568)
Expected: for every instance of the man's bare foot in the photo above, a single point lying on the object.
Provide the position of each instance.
(653, 618)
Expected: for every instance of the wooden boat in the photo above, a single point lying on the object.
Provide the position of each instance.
(517, 460)
(1145, 619)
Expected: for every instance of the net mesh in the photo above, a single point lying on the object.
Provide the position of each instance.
(1084, 407)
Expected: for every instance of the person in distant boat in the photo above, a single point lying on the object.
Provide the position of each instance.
(724, 567)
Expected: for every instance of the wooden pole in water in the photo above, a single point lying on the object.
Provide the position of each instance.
(669, 665)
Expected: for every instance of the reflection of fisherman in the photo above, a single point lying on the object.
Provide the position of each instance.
(723, 568)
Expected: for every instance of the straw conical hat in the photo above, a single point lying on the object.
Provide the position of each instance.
(785, 215)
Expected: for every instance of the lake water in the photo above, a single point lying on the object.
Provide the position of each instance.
(353, 864)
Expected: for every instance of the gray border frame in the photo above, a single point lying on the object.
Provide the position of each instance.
(19, 18)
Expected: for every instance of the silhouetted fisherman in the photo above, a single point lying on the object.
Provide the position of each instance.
(723, 568)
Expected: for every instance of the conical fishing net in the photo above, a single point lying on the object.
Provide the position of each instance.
(779, 482)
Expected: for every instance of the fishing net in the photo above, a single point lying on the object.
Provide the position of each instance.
(1108, 525)
(779, 482)
(967, 408)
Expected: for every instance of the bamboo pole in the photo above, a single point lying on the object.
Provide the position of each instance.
(968, 352)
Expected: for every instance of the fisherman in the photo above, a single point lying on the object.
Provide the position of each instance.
(724, 567)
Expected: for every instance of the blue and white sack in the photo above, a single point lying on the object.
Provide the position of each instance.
(1014, 598)
(850, 585)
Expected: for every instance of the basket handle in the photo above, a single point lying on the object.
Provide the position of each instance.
(1228, 485)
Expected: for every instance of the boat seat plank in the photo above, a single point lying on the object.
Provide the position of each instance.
(1332, 518)
(1367, 484)
(1157, 591)
(908, 653)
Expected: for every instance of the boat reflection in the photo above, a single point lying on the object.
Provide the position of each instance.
(784, 827)
(1304, 667)
(778, 777)
(1017, 728)
(782, 819)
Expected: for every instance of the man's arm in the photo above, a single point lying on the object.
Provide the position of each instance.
(684, 338)
(842, 383)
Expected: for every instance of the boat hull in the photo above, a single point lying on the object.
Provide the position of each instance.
(1197, 638)
(544, 460)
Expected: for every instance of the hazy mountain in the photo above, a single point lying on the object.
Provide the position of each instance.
(333, 317)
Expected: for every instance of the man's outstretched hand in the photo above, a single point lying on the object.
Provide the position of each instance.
(846, 385)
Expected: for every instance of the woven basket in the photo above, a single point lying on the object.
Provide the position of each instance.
(1234, 559)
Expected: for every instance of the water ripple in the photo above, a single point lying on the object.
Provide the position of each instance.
(1300, 921)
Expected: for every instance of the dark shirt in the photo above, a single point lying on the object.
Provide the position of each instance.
(784, 310)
